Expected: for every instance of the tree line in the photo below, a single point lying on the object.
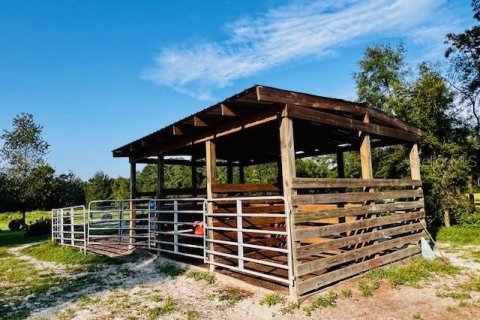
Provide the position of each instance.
(442, 98)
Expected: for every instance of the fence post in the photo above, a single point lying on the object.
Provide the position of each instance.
(61, 226)
(175, 225)
(240, 234)
(72, 227)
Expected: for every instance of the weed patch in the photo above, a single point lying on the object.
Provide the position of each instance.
(290, 308)
(232, 295)
(168, 307)
(413, 272)
(459, 235)
(328, 300)
(201, 275)
(170, 270)
(272, 299)
(53, 252)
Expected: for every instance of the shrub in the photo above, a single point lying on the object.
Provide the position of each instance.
(39, 228)
(16, 224)
(469, 220)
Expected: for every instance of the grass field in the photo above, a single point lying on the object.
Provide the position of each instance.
(32, 216)
(459, 235)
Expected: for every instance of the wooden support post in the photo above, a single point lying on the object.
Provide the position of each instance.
(415, 162)
(287, 152)
(211, 167)
(194, 175)
(366, 153)
(229, 171)
(415, 174)
(160, 176)
(366, 164)
(241, 172)
(341, 174)
(340, 165)
(133, 195)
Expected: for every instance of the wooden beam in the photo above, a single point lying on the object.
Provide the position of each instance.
(210, 133)
(415, 162)
(366, 153)
(229, 171)
(227, 111)
(327, 183)
(176, 131)
(211, 167)
(194, 175)
(133, 180)
(199, 122)
(340, 165)
(287, 153)
(267, 94)
(317, 116)
(160, 176)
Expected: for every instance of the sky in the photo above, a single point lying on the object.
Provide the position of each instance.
(99, 74)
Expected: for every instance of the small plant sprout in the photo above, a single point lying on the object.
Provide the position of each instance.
(272, 299)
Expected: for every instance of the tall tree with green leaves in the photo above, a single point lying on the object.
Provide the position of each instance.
(464, 55)
(424, 99)
(23, 151)
(99, 187)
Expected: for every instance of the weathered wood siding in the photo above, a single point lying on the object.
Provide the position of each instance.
(342, 227)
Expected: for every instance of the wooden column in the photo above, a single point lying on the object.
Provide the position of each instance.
(415, 174)
(133, 195)
(160, 177)
(229, 171)
(366, 153)
(340, 165)
(287, 152)
(241, 172)
(415, 162)
(194, 175)
(211, 167)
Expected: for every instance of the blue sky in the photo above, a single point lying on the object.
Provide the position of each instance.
(98, 74)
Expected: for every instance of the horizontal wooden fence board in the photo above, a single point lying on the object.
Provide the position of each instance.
(355, 196)
(251, 209)
(316, 183)
(340, 274)
(302, 217)
(331, 261)
(245, 187)
(318, 248)
(360, 224)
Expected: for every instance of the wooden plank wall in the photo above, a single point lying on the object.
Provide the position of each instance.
(341, 229)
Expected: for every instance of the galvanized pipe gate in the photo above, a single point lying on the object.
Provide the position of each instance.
(185, 227)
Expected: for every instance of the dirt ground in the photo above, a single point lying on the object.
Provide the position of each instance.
(136, 290)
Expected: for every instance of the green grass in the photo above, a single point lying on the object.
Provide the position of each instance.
(412, 272)
(170, 270)
(476, 197)
(32, 216)
(232, 295)
(328, 300)
(53, 252)
(201, 275)
(169, 306)
(459, 235)
(15, 238)
(272, 299)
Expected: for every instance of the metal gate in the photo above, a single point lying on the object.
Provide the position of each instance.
(69, 226)
(119, 222)
(176, 226)
(249, 234)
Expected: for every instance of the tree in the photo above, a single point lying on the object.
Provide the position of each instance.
(99, 187)
(464, 55)
(121, 188)
(24, 150)
(69, 190)
(427, 102)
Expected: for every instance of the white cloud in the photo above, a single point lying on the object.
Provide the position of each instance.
(283, 35)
